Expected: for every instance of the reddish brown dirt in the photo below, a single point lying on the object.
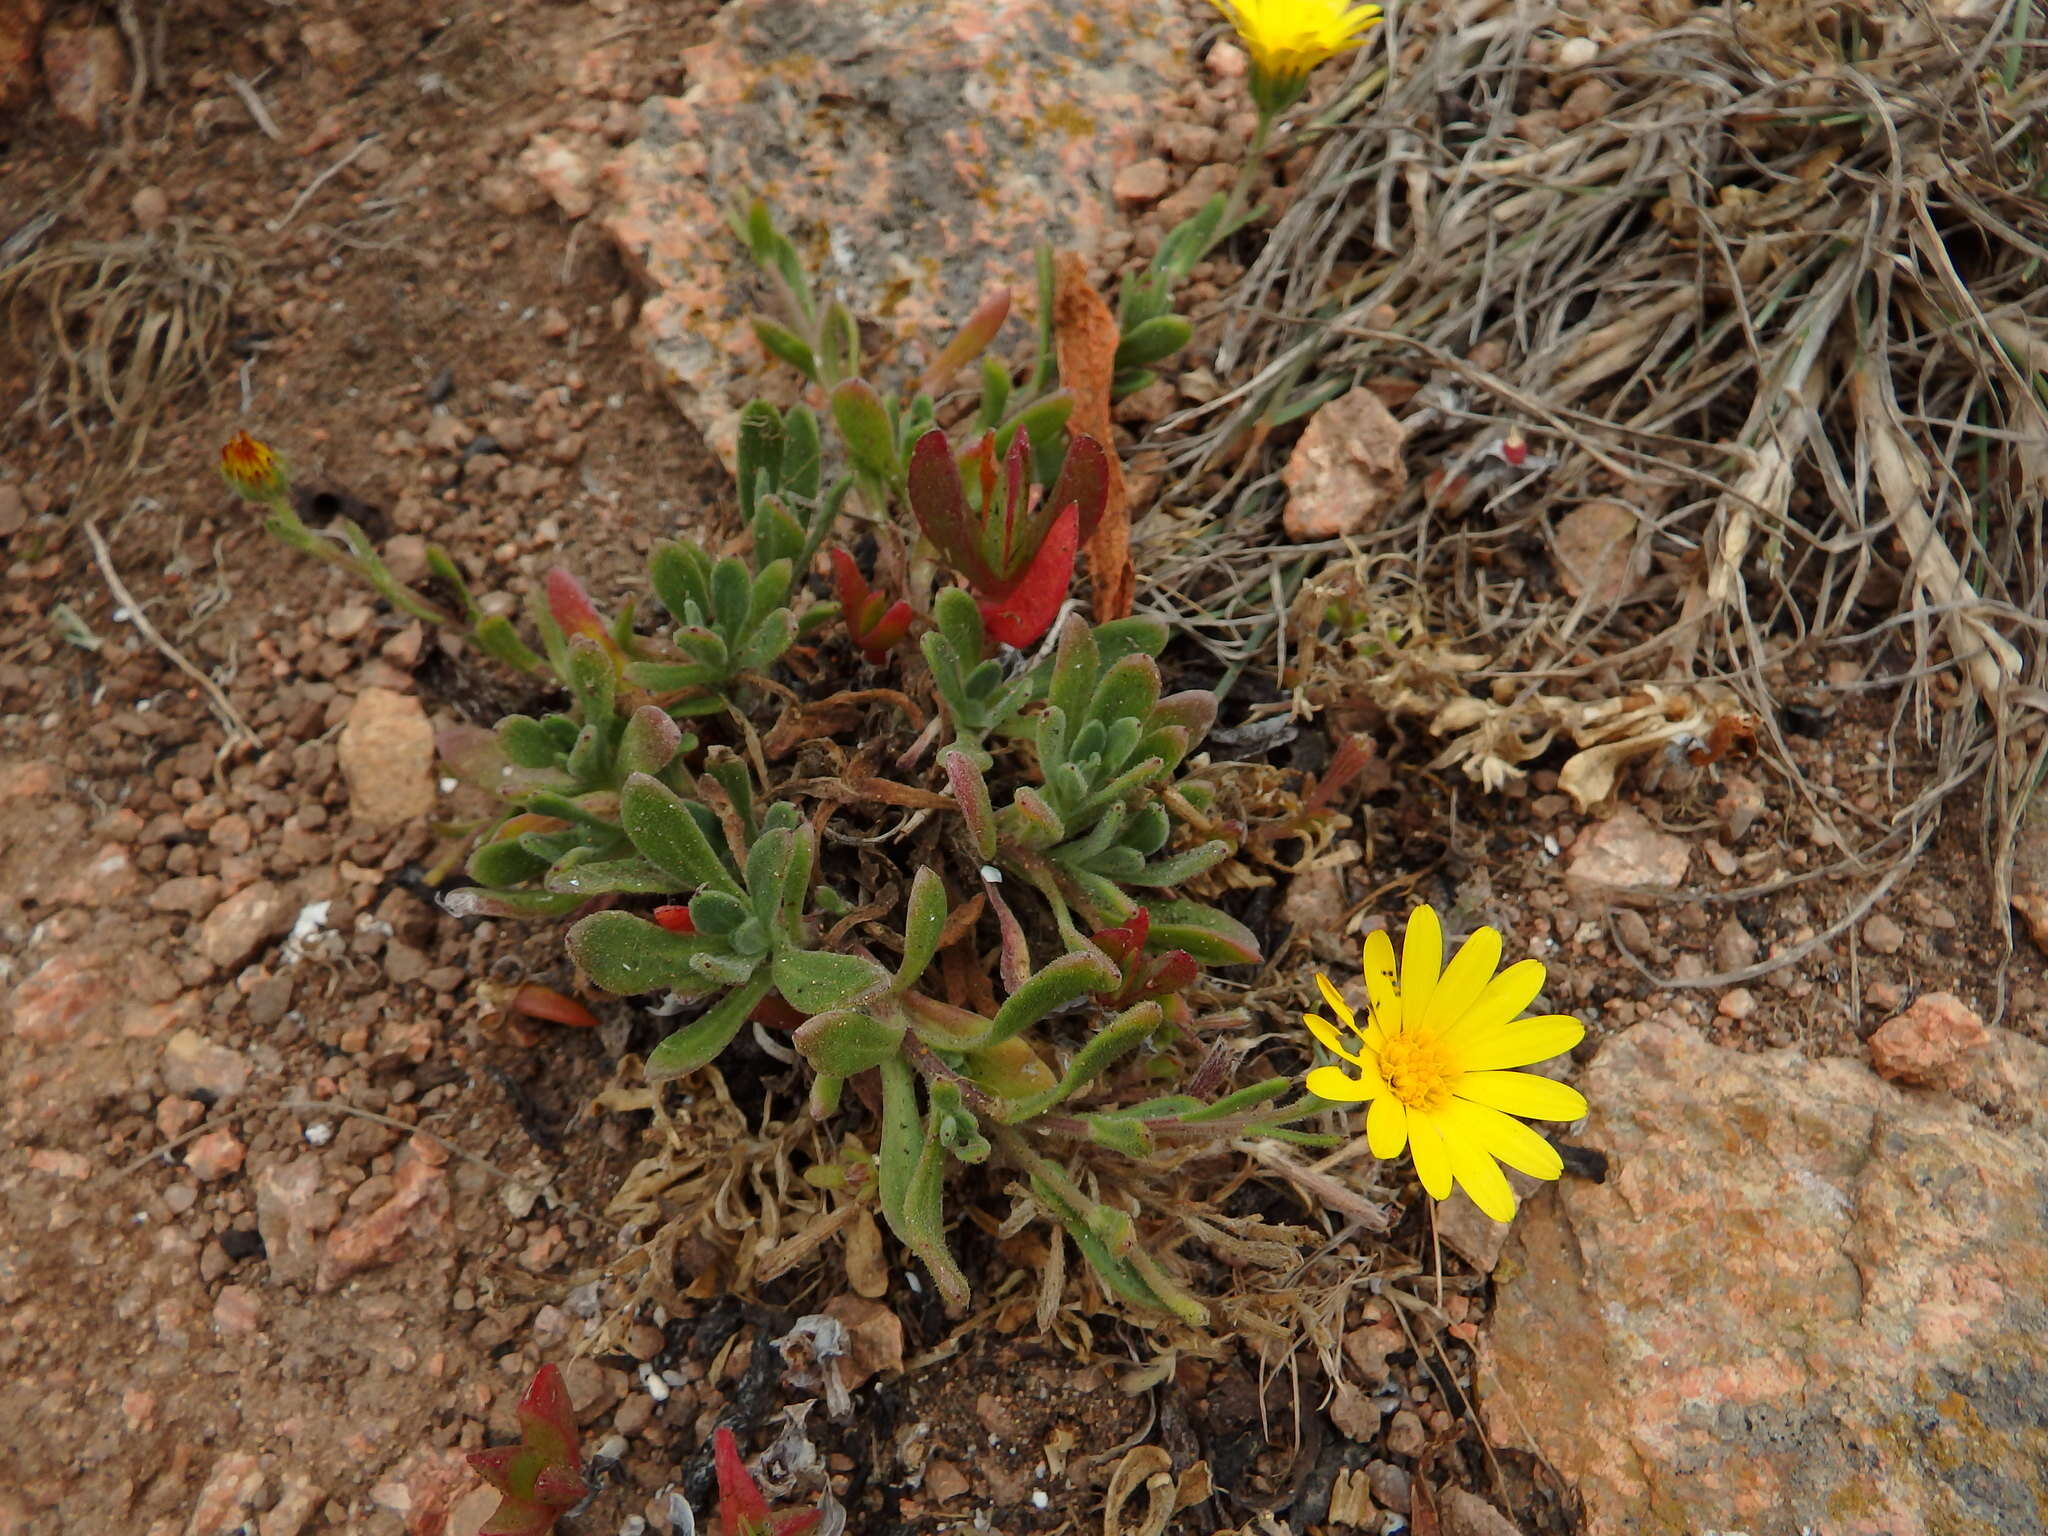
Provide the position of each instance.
(180, 1159)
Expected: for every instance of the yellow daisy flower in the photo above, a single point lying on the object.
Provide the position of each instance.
(1288, 38)
(1431, 1056)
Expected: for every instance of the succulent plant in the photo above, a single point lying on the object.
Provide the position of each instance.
(692, 871)
(541, 1478)
(1011, 539)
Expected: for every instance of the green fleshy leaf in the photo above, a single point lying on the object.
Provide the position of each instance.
(505, 863)
(902, 1135)
(1105, 1048)
(1120, 1135)
(781, 342)
(495, 635)
(717, 914)
(1075, 667)
(816, 981)
(1066, 980)
(1153, 341)
(802, 454)
(1241, 1102)
(628, 955)
(924, 921)
(777, 632)
(1127, 690)
(1208, 935)
(1177, 869)
(649, 742)
(474, 901)
(592, 875)
(697, 1043)
(662, 828)
(844, 1042)
(865, 428)
(527, 742)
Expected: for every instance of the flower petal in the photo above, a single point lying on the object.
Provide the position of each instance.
(1336, 1001)
(1386, 1127)
(1521, 1093)
(1422, 961)
(1432, 1157)
(1505, 996)
(1519, 1043)
(1327, 1036)
(1382, 989)
(1340, 1087)
(1506, 1138)
(1464, 980)
(1476, 1171)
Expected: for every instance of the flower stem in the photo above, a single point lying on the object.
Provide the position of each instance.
(1240, 189)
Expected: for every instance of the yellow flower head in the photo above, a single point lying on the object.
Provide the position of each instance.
(252, 469)
(1288, 38)
(1429, 1060)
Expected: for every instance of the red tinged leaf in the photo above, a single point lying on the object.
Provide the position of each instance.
(1125, 940)
(742, 1509)
(570, 606)
(538, 1002)
(1083, 480)
(542, 1476)
(1175, 972)
(1144, 978)
(970, 343)
(547, 1421)
(939, 503)
(875, 625)
(675, 919)
(773, 1013)
(1022, 611)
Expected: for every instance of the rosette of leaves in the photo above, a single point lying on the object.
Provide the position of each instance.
(1012, 532)
(541, 1478)
(1108, 749)
(982, 696)
(750, 927)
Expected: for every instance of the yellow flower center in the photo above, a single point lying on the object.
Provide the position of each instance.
(1418, 1070)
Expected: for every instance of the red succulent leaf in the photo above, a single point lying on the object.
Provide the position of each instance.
(538, 1002)
(520, 1517)
(1084, 480)
(1126, 939)
(1175, 972)
(742, 1509)
(571, 607)
(773, 1013)
(542, 1476)
(547, 1422)
(676, 919)
(559, 1487)
(1143, 978)
(795, 1523)
(1010, 536)
(1020, 612)
(875, 625)
(498, 1465)
(939, 502)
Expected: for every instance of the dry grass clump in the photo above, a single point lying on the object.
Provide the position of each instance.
(116, 329)
(1768, 277)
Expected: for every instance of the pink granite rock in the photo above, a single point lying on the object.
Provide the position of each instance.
(916, 153)
(1925, 1044)
(1803, 1299)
